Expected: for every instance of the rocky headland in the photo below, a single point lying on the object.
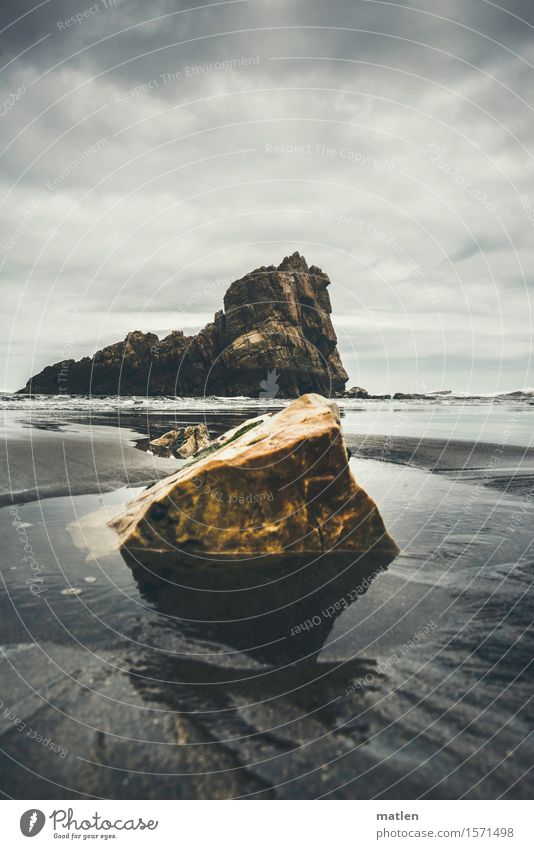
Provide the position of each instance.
(274, 338)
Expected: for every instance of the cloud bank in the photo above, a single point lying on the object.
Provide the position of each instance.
(152, 153)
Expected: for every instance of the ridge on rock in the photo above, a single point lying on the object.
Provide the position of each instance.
(275, 320)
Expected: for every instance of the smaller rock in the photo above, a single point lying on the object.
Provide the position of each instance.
(162, 446)
(182, 443)
(356, 392)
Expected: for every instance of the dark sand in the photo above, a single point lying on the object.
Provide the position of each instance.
(144, 696)
(505, 467)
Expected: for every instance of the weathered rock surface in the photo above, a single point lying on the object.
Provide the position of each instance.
(183, 442)
(356, 392)
(275, 320)
(280, 484)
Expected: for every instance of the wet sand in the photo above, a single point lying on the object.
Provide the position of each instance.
(49, 461)
(121, 690)
(505, 467)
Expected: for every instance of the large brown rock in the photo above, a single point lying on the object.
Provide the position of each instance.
(275, 485)
(276, 320)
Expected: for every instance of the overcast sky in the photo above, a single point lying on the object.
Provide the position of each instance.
(154, 152)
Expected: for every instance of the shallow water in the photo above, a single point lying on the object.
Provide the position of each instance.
(413, 681)
(492, 421)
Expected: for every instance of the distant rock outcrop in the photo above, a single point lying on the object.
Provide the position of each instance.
(356, 392)
(182, 443)
(275, 331)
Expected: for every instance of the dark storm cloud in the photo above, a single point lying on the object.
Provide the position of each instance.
(122, 29)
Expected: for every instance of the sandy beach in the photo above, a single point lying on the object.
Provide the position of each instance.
(117, 689)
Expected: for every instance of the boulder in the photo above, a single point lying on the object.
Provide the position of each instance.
(275, 485)
(356, 392)
(182, 443)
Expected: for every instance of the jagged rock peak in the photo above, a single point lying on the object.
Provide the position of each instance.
(295, 262)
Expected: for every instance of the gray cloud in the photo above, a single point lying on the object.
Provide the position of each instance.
(147, 163)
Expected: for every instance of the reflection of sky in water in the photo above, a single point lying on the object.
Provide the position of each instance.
(513, 424)
(482, 422)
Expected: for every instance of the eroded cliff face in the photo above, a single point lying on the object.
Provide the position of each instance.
(276, 321)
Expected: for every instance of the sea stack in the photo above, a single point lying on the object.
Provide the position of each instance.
(274, 338)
